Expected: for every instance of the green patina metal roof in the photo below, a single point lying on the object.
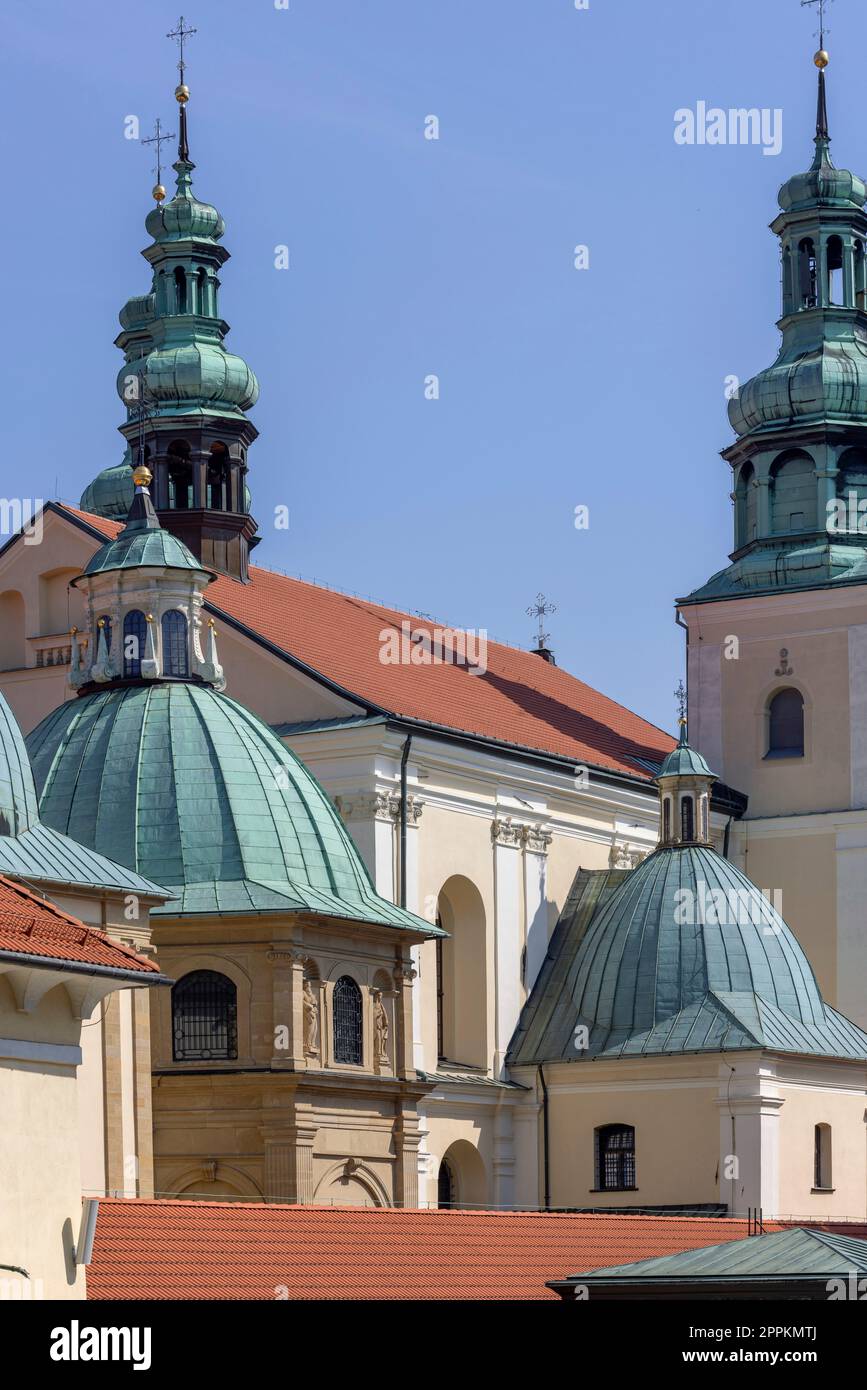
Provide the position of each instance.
(143, 542)
(644, 982)
(111, 492)
(31, 850)
(799, 1251)
(684, 761)
(182, 783)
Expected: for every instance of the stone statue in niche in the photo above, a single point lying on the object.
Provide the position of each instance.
(311, 1021)
(380, 1029)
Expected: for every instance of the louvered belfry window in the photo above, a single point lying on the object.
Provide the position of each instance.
(204, 1018)
(348, 1022)
(615, 1158)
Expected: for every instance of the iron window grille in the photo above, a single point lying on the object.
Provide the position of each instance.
(204, 1018)
(348, 1022)
(615, 1158)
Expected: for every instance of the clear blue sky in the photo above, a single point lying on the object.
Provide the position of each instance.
(408, 257)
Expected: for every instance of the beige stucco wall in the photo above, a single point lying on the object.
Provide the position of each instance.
(835, 1097)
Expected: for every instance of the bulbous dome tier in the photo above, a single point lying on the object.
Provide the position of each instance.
(184, 218)
(141, 549)
(111, 493)
(192, 785)
(828, 381)
(193, 375)
(822, 186)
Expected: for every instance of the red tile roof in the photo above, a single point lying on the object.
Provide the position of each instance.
(520, 699)
(232, 1250)
(33, 926)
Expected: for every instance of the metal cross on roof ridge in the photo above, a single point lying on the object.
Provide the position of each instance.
(540, 609)
(680, 697)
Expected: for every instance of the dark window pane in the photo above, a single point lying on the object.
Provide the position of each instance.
(134, 630)
(347, 1021)
(204, 1018)
(786, 723)
(175, 661)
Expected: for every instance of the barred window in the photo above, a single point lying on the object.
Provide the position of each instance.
(204, 1018)
(615, 1158)
(134, 630)
(348, 1022)
(175, 661)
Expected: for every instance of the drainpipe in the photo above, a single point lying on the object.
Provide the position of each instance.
(546, 1171)
(726, 837)
(404, 758)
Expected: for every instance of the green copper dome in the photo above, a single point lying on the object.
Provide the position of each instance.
(184, 218)
(178, 781)
(822, 185)
(682, 954)
(18, 805)
(139, 546)
(199, 375)
(820, 375)
(684, 761)
(111, 492)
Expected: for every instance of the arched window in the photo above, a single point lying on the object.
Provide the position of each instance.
(180, 290)
(860, 280)
(835, 270)
(175, 648)
(746, 504)
(807, 278)
(615, 1158)
(204, 1018)
(348, 1022)
(822, 1157)
(446, 1187)
(218, 478)
(202, 286)
(180, 473)
(788, 296)
(851, 489)
(786, 725)
(666, 818)
(134, 635)
(687, 818)
(793, 494)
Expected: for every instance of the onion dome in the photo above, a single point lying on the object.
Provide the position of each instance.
(184, 218)
(828, 381)
(137, 312)
(111, 492)
(822, 185)
(180, 781)
(191, 375)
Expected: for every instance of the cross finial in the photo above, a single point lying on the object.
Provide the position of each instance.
(821, 5)
(181, 34)
(158, 138)
(540, 609)
(680, 697)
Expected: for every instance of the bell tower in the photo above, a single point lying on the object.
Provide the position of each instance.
(185, 395)
(777, 640)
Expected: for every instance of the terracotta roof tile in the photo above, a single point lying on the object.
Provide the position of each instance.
(33, 926)
(520, 699)
(229, 1250)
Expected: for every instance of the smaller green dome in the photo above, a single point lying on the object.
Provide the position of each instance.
(184, 218)
(111, 493)
(133, 549)
(137, 311)
(684, 761)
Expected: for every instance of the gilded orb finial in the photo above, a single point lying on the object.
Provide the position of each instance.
(142, 476)
(822, 58)
(158, 192)
(182, 93)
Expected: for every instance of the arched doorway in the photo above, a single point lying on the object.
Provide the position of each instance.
(461, 1179)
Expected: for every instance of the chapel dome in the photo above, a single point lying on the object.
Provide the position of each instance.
(179, 781)
(687, 955)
